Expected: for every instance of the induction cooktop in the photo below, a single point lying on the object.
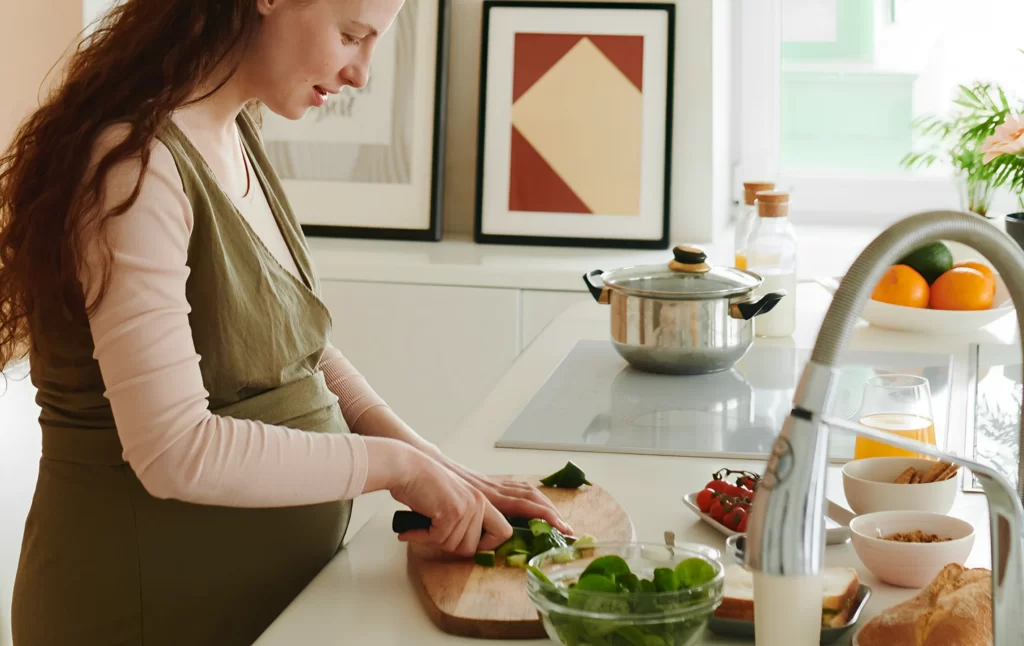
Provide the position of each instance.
(596, 402)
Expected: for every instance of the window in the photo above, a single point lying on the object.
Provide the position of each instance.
(831, 89)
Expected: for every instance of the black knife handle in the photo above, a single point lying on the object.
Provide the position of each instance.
(404, 521)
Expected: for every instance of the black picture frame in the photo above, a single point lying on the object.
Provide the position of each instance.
(433, 231)
(582, 241)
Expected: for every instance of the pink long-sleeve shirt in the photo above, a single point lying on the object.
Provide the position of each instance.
(143, 343)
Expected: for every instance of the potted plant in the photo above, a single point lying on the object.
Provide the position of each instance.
(967, 138)
(1004, 159)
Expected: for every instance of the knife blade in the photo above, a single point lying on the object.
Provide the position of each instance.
(404, 521)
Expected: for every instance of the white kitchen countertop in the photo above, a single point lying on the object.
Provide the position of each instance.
(364, 596)
(824, 250)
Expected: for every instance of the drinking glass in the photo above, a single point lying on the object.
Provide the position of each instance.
(897, 404)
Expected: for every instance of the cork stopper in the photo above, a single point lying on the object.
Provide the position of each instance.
(772, 204)
(750, 190)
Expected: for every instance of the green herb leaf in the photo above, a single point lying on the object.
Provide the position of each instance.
(609, 565)
(665, 580)
(694, 572)
(628, 582)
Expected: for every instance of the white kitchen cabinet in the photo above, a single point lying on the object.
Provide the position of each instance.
(431, 351)
(540, 307)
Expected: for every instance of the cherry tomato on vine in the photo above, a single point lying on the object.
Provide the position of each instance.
(717, 511)
(717, 485)
(704, 500)
(734, 518)
(742, 527)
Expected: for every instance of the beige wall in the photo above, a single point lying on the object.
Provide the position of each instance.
(33, 36)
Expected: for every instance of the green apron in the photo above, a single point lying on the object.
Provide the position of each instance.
(102, 561)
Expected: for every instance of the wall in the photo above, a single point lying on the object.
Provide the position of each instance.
(701, 165)
(33, 36)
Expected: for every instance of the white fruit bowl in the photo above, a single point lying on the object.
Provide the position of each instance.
(909, 565)
(868, 486)
(927, 321)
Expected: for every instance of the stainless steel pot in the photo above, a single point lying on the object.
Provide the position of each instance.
(683, 318)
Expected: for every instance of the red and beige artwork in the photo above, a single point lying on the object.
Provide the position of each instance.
(577, 124)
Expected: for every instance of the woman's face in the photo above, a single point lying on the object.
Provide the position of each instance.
(306, 49)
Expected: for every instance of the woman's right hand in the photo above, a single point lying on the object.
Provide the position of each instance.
(463, 521)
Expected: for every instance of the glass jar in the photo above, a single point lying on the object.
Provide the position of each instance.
(772, 255)
(746, 219)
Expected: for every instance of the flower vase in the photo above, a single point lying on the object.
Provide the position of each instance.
(975, 195)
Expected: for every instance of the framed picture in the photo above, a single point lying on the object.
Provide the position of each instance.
(369, 163)
(575, 124)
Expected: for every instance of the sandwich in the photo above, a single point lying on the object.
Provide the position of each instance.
(839, 595)
(954, 610)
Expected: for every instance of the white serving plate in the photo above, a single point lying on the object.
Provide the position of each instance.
(836, 533)
(926, 321)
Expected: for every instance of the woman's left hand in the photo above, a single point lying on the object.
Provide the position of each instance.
(512, 498)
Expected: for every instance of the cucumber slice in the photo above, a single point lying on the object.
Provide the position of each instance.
(516, 560)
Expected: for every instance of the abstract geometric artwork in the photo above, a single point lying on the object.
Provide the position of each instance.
(575, 123)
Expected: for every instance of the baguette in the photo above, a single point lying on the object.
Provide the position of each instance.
(954, 610)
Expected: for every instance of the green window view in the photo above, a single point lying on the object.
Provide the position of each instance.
(856, 76)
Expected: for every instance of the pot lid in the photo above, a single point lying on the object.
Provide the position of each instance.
(687, 275)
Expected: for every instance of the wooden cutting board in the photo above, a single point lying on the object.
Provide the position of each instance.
(469, 600)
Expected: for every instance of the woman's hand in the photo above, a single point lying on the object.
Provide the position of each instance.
(463, 521)
(512, 498)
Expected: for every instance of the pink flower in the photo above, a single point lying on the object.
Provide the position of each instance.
(1008, 139)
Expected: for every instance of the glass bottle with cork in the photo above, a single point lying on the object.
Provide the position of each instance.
(746, 219)
(772, 255)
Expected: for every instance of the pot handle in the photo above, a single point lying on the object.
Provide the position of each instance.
(599, 292)
(747, 310)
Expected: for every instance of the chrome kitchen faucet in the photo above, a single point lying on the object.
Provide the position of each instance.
(786, 532)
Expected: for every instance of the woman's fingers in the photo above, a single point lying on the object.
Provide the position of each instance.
(496, 528)
(473, 529)
(523, 508)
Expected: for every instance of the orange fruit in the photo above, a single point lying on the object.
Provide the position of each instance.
(962, 288)
(982, 267)
(901, 285)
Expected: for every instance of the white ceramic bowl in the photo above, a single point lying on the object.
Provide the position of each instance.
(868, 485)
(910, 565)
(928, 321)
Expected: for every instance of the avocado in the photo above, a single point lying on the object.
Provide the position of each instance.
(931, 261)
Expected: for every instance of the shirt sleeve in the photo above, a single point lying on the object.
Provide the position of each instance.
(355, 396)
(177, 447)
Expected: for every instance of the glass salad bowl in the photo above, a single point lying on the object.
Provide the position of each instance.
(625, 594)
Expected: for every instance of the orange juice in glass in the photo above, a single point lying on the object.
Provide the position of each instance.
(741, 260)
(897, 404)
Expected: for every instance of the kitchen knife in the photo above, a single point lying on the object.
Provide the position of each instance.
(404, 521)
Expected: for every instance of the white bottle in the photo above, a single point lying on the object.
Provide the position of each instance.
(772, 255)
(746, 219)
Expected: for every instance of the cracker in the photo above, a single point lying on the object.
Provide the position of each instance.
(933, 473)
(904, 478)
(948, 473)
(916, 478)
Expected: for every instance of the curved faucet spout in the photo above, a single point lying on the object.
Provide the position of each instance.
(786, 528)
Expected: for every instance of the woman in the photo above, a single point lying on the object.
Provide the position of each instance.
(198, 470)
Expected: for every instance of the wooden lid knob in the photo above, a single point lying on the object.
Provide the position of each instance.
(691, 260)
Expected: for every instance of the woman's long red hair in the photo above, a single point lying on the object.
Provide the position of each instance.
(143, 59)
